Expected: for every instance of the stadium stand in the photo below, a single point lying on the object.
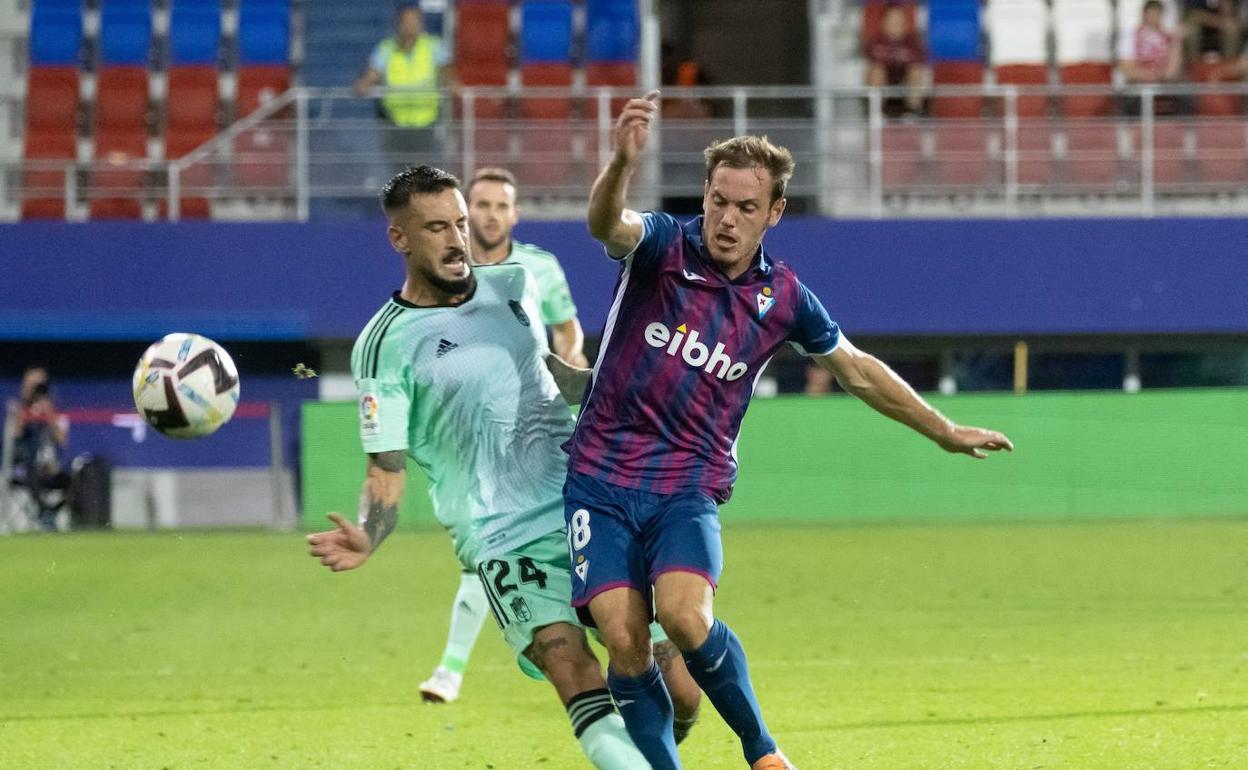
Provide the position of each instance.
(52, 104)
(122, 109)
(612, 28)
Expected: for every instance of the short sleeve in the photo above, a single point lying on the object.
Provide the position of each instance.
(383, 406)
(441, 51)
(658, 232)
(557, 305)
(814, 333)
(377, 59)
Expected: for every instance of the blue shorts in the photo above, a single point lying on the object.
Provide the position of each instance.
(625, 538)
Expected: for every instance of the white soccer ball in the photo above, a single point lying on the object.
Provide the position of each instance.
(186, 386)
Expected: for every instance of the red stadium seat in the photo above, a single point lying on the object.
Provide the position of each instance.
(961, 155)
(43, 195)
(902, 147)
(121, 101)
(620, 74)
(52, 100)
(1091, 155)
(1030, 105)
(258, 84)
(116, 185)
(262, 162)
(1203, 71)
(1222, 152)
(483, 36)
(546, 74)
(1087, 74)
(196, 177)
(191, 104)
(1035, 152)
(957, 73)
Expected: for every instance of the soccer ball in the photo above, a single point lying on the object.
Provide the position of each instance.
(186, 386)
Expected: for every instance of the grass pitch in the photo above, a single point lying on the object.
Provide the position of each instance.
(1111, 645)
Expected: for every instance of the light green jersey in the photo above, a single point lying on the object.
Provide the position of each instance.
(552, 284)
(465, 392)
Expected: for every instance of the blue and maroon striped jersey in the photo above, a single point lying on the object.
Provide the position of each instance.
(681, 352)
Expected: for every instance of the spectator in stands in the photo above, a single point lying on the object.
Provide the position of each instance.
(411, 59)
(896, 58)
(1212, 28)
(40, 434)
(1155, 51)
(818, 381)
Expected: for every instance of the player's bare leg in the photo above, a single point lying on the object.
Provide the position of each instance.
(716, 661)
(686, 695)
(636, 683)
(562, 653)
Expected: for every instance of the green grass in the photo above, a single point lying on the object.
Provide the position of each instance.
(1076, 645)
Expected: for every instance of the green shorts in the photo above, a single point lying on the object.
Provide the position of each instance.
(531, 588)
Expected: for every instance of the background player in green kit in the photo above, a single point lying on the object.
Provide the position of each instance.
(450, 373)
(492, 214)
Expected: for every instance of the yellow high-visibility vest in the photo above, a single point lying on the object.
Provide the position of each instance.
(415, 70)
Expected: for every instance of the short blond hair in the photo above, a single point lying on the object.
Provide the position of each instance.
(749, 152)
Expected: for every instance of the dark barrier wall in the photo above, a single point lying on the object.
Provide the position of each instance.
(290, 281)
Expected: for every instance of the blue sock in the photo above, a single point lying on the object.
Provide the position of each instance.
(646, 706)
(719, 668)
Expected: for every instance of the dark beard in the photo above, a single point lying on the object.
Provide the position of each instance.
(452, 288)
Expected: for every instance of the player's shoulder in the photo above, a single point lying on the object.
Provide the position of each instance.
(505, 278)
(376, 332)
(533, 253)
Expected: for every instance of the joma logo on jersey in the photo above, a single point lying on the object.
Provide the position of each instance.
(684, 343)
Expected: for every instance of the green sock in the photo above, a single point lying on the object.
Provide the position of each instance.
(467, 614)
(608, 747)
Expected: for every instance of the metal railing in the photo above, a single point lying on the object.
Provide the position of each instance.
(993, 151)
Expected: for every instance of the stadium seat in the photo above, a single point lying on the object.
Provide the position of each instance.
(262, 162)
(1082, 31)
(55, 33)
(195, 32)
(546, 32)
(1093, 105)
(125, 33)
(191, 102)
(264, 32)
(258, 84)
(957, 73)
(116, 182)
(546, 108)
(618, 74)
(961, 155)
(953, 30)
(43, 195)
(1028, 105)
(1091, 160)
(1214, 71)
(1222, 152)
(612, 30)
(52, 101)
(873, 18)
(1035, 152)
(482, 39)
(121, 102)
(197, 176)
(902, 147)
(1018, 31)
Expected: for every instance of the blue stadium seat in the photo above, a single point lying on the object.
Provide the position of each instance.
(55, 32)
(953, 30)
(611, 30)
(546, 31)
(125, 32)
(264, 32)
(194, 32)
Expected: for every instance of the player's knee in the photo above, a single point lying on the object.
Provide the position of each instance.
(628, 645)
(686, 623)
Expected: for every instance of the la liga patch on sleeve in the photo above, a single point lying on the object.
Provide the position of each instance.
(370, 409)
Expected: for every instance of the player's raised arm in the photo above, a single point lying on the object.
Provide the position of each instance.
(617, 227)
(870, 379)
(348, 546)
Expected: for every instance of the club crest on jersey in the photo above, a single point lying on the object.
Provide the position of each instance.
(521, 316)
(765, 301)
(683, 343)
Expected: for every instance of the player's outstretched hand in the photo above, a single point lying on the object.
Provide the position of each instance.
(345, 547)
(632, 129)
(976, 442)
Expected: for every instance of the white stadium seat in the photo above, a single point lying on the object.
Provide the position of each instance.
(1018, 31)
(1083, 30)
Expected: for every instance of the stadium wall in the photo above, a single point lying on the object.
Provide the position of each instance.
(1079, 456)
(118, 281)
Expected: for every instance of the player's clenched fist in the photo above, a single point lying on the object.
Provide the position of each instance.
(632, 128)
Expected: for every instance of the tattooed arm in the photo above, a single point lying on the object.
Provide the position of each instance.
(348, 546)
